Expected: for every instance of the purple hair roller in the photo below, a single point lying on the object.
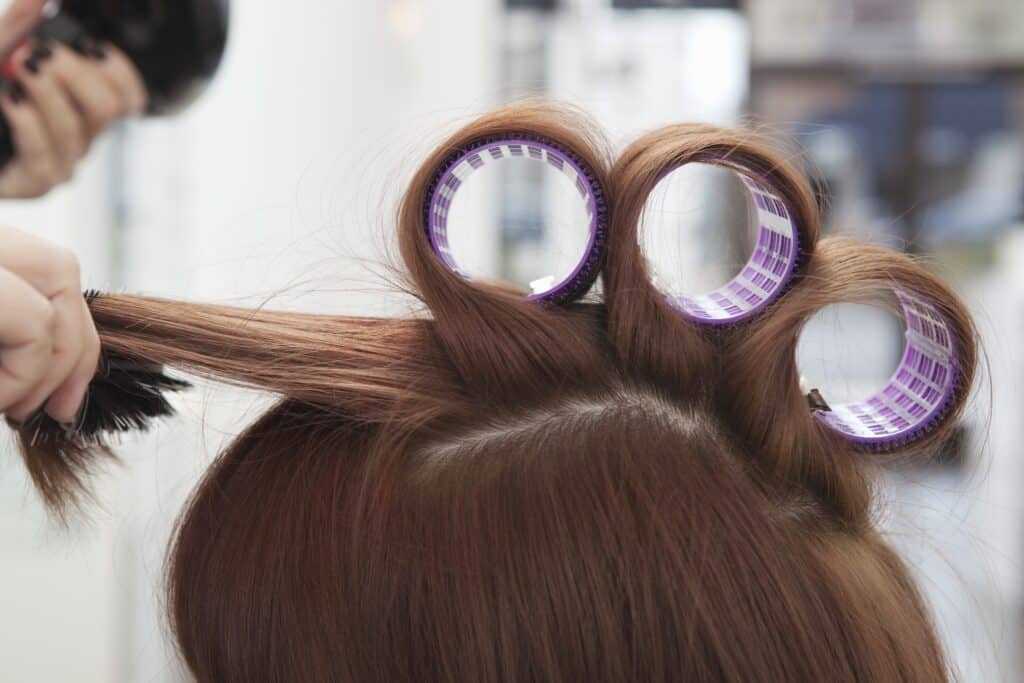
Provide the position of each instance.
(766, 274)
(917, 396)
(453, 173)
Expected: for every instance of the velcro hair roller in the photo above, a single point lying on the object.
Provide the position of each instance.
(918, 395)
(779, 200)
(768, 270)
(459, 166)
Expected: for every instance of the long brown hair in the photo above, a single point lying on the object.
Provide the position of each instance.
(508, 491)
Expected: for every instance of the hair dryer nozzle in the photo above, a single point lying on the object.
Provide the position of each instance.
(176, 44)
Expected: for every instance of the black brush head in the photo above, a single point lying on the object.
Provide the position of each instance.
(126, 395)
(176, 44)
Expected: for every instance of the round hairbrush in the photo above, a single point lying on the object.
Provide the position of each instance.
(177, 45)
(459, 166)
(918, 395)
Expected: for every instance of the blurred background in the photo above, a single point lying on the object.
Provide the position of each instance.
(279, 187)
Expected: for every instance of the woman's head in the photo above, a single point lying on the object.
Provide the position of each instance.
(508, 490)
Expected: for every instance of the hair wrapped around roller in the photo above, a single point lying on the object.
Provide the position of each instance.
(516, 487)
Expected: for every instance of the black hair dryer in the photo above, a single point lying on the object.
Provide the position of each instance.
(176, 44)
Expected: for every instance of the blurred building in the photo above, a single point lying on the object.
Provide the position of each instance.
(928, 33)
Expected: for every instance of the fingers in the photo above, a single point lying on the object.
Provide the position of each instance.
(15, 23)
(90, 84)
(26, 340)
(60, 100)
(49, 343)
(125, 78)
(64, 125)
(48, 268)
(66, 345)
(67, 399)
(37, 167)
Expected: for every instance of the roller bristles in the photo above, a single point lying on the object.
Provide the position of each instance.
(919, 433)
(126, 395)
(600, 200)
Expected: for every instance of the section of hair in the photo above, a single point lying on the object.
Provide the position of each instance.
(761, 393)
(649, 334)
(126, 395)
(469, 316)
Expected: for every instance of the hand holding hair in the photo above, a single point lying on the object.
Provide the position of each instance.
(55, 389)
(50, 348)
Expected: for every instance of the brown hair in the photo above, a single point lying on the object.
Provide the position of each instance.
(507, 491)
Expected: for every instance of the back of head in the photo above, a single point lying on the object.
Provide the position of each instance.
(508, 491)
(608, 536)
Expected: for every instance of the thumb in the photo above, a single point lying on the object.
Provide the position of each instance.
(17, 21)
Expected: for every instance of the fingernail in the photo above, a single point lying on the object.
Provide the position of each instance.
(27, 422)
(81, 44)
(75, 425)
(32, 65)
(17, 92)
(87, 47)
(41, 53)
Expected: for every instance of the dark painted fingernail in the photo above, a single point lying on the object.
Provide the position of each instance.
(32, 66)
(87, 47)
(17, 92)
(81, 44)
(29, 421)
(41, 53)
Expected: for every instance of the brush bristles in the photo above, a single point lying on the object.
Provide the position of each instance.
(126, 395)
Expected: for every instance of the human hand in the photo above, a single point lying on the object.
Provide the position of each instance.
(49, 347)
(57, 100)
